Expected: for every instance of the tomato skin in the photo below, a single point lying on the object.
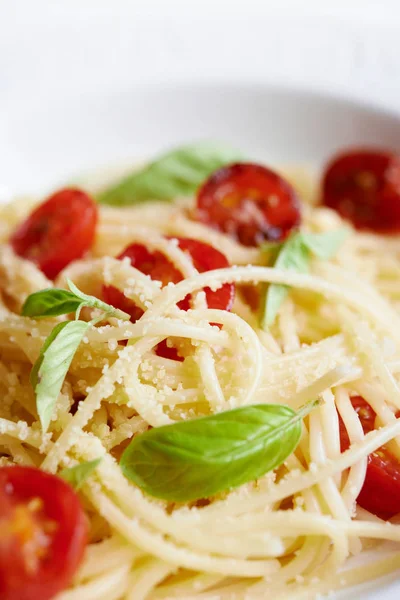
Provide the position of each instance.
(363, 186)
(365, 413)
(65, 540)
(155, 264)
(249, 202)
(380, 494)
(158, 267)
(60, 230)
(207, 258)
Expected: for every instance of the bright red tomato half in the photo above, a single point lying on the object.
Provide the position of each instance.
(363, 186)
(43, 534)
(60, 230)
(249, 202)
(158, 267)
(380, 494)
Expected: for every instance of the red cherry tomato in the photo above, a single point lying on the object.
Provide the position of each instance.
(380, 493)
(43, 534)
(158, 267)
(60, 230)
(154, 264)
(363, 186)
(207, 258)
(250, 203)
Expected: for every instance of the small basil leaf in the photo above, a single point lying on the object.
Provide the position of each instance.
(293, 256)
(50, 302)
(272, 250)
(271, 246)
(325, 245)
(177, 173)
(33, 377)
(93, 302)
(199, 458)
(77, 475)
(55, 362)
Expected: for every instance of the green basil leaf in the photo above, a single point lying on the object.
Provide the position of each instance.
(272, 250)
(50, 302)
(33, 377)
(293, 256)
(177, 173)
(199, 458)
(93, 302)
(271, 246)
(325, 245)
(54, 364)
(77, 475)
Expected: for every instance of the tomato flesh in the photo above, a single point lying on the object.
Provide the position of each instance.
(43, 534)
(380, 494)
(249, 202)
(363, 186)
(158, 267)
(60, 230)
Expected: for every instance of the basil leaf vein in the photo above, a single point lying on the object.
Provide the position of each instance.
(50, 369)
(77, 475)
(199, 458)
(177, 173)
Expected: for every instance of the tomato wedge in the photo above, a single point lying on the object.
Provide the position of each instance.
(60, 230)
(380, 494)
(249, 202)
(43, 534)
(158, 267)
(363, 186)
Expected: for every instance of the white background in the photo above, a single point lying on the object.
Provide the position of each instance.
(54, 52)
(59, 56)
(67, 69)
(349, 47)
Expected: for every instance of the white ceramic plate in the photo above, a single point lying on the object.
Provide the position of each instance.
(51, 142)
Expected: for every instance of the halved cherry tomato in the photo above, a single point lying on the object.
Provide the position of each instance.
(60, 230)
(249, 202)
(380, 493)
(363, 186)
(158, 267)
(43, 534)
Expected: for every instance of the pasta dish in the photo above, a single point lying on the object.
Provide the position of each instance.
(200, 382)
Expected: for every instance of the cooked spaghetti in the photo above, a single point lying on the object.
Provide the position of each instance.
(298, 530)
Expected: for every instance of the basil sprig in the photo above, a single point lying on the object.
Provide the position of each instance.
(49, 371)
(53, 302)
(177, 173)
(77, 475)
(199, 458)
(295, 255)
